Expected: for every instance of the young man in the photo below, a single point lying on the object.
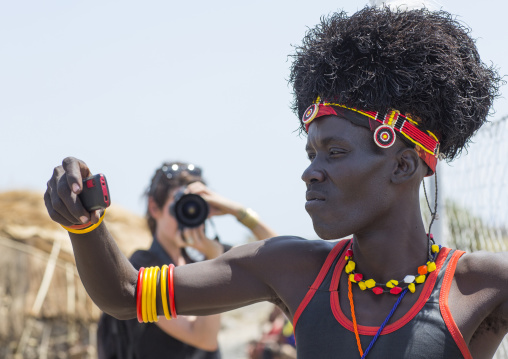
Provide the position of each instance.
(383, 94)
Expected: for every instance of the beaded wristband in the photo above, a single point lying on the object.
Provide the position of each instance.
(143, 300)
(171, 290)
(139, 293)
(155, 317)
(164, 275)
(149, 294)
(77, 230)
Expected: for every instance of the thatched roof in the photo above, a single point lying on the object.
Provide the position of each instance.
(23, 217)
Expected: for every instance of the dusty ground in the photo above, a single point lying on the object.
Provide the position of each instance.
(240, 326)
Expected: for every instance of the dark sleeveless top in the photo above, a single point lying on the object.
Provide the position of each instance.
(426, 331)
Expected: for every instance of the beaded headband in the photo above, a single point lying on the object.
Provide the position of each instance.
(426, 143)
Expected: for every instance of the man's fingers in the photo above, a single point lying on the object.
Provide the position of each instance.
(55, 203)
(75, 170)
(72, 201)
(61, 197)
(53, 213)
(95, 216)
(62, 203)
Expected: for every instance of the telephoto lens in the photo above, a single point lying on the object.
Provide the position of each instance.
(190, 210)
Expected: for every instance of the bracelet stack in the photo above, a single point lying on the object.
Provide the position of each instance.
(248, 217)
(146, 293)
(84, 228)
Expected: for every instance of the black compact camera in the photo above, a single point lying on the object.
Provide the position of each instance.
(190, 210)
(95, 193)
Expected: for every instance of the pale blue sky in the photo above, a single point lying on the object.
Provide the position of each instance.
(125, 85)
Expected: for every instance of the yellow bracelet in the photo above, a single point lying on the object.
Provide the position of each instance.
(248, 217)
(87, 229)
(149, 312)
(143, 296)
(155, 317)
(164, 296)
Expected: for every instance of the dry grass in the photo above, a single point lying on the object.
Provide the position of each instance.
(44, 309)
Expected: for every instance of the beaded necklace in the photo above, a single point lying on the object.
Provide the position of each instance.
(392, 286)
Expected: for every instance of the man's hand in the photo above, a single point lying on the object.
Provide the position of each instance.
(61, 196)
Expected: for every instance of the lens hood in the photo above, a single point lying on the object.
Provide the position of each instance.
(190, 210)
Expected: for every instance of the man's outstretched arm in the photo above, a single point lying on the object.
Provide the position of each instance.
(214, 286)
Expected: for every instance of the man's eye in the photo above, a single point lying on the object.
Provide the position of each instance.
(337, 151)
(311, 156)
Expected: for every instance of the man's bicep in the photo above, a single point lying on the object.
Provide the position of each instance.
(230, 281)
(501, 270)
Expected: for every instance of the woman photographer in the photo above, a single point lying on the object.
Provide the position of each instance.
(187, 336)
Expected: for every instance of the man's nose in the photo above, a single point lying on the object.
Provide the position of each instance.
(313, 173)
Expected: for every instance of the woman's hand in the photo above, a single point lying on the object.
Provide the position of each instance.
(61, 196)
(196, 238)
(219, 205)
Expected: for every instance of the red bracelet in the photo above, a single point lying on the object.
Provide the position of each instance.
(139, 291)
(171, 290)
(81, 226)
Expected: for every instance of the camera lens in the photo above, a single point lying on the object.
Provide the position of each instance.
(190, 210)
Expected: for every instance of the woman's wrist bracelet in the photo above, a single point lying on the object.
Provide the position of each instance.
(248, 217)
(78, 230)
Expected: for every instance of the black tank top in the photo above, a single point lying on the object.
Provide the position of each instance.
(426, 331)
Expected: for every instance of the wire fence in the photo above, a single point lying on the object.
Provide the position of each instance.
(473, 198)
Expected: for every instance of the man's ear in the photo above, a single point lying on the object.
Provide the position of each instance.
(153, 208)
(408, 166)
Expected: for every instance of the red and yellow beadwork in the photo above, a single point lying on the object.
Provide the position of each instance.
(426, 143)
(392, 286)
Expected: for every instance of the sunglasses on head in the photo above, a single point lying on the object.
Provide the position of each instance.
(173, 170)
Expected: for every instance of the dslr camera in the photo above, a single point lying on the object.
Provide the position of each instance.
(190, 210)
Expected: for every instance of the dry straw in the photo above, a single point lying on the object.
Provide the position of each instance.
(44, 309)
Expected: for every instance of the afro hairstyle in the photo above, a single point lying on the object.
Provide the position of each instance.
(420, 62)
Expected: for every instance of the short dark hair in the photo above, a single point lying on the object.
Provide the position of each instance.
(162, 184)
(420, 62)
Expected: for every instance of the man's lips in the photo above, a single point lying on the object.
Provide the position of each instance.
(314, 196)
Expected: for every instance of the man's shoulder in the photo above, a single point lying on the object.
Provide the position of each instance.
(481, 291)
(482, 269)
(296, 251)
(483, 263)
(298, 245)
(289, 255)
